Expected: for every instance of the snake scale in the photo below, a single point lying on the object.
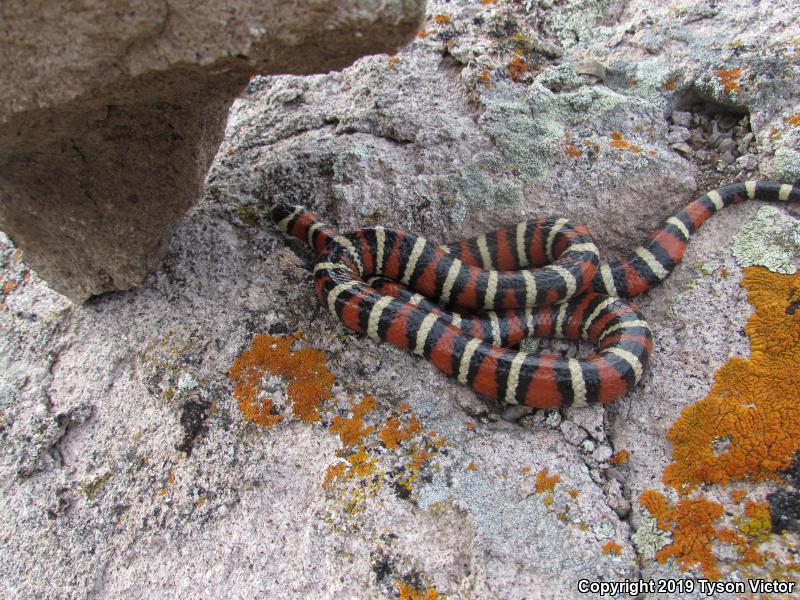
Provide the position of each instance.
(466, 306)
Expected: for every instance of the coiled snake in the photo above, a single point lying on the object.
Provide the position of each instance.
(466, 306)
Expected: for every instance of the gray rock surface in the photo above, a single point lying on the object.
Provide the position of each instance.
(111, 112)
(96, 400)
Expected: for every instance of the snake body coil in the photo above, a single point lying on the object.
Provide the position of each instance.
(475, 300)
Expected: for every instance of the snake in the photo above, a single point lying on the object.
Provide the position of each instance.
(467, 306)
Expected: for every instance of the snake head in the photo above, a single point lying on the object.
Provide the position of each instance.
(280, 210)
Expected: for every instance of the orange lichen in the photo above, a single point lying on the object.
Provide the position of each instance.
(670, 85)
(352, 431)
(635, 148)
(738, 495)
(407, 591)
(526, 470)
(517, 67)
(404, 406)
(361, 464)
(748, 428)
(545, 483)
(309, 384)
(421, 34)
(332, 472)
(729, 79)
(472, 467)
(612, 547)
(620, 457)
(9, 286)
(393, 432)
(618, 140)
(171, 478)
(794, 120)
(470, 426)
(230, 151)
(418, 459)
(441, 19)
(574, 493)
(487, 2)
(486, 78)
(691, 523)
(573, 151)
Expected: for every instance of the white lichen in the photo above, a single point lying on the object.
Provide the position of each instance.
(187, 382)
(649, 539)
(771, 240)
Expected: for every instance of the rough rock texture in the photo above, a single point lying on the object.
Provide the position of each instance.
(110, 114)
(126, 464)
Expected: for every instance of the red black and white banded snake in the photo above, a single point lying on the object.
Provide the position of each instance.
(466, 306)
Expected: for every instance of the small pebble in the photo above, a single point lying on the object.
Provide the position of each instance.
(553, 418)
(602, 453)
(588, 446)
(678, 134)
(615, 474)
(727, 121)
(748, 162)
(682, 148)
(727, 158)
(620, 505)
(726, 145)
(684, 119)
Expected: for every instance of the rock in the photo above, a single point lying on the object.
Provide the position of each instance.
(602, 453)
(726, 145)
(572, 433)
(678, 134)
(682, 148)
(110, 115)
(748, 162)
(682, 118)
(110, 508)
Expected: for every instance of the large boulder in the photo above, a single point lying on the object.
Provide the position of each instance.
(111, 112)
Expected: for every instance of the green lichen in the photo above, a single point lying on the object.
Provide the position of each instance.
(786, 166)
(572, 22)
(353, 158)
(89, 489)
(248, 214)
(483, 184)
(709, 267)
(771, 240)
(587, 104)
(649, 539)
(526, 131)
(560, 78)
(645, 79)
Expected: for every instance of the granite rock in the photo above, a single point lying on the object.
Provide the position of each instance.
(111, 112)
